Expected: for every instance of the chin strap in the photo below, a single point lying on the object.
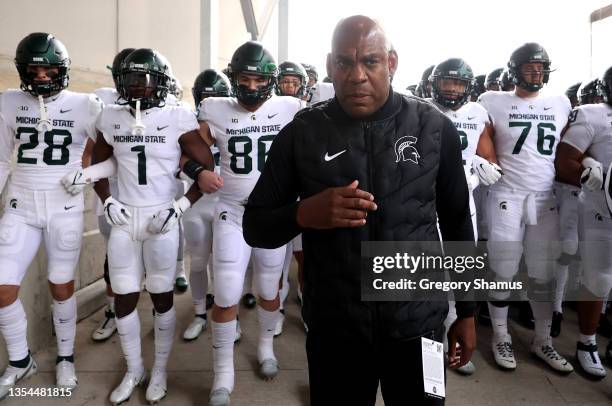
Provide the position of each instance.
(138, 127)
(44, 124)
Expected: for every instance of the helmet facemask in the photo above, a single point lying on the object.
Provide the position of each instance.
(526, 71)
(150, 88)
(449, 91)
(297, 81)
(57, 74)
(249, 96)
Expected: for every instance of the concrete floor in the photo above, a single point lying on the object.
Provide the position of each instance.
(100, 367)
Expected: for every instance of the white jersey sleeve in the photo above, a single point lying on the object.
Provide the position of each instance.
(7, 146)
(581, 129)
(108, 95)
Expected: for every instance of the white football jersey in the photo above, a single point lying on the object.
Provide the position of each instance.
(527, 132)
(470, 121)
(244, 138)
(590, 131)
(45, 156)
(320, 92)
(108, 95)
(146, 163)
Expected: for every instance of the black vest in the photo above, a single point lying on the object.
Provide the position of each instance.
(395, 156)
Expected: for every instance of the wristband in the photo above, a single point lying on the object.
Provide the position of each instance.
(192, 169)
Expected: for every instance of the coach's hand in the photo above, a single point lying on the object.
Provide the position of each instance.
(462, 332)
(336, 207)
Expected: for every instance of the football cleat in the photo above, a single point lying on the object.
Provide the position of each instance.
(65, 375)
(219, 397)
(589, 361)
(157, 388)
(268, 368)
(195, 328)
(107, 328)
(249, 301)
(126, 387)
(503, 351)
(547, 353)
(181, 285)
(12, 375)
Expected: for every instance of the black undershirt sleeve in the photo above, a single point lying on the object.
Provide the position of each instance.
(452, 203)
(270, 213)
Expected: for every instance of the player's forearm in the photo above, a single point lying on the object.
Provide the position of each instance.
(102, 189)
(193, 194)
(194, 147)
(568, 165)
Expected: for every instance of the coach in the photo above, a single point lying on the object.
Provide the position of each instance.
(368, 165)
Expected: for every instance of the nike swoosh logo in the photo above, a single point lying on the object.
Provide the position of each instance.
(547, 108)
(68, 207)
(64, 111)
(330, 157)
(161, 128)
(272, 115)
(471, 118)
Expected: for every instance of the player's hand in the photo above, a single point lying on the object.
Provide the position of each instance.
(487, 172)
(116, 214)
(344, 206)
(209, 181)
(74, 182)
(462, 332)
(592, 176)
(166, 219)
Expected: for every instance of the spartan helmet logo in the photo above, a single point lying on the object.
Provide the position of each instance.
(405, 151)
(13, 203)
(503, 205)
(223, 215)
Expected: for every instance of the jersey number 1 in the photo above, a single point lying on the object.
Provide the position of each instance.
(142, 164)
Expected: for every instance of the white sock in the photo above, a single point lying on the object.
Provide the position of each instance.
(562, 273)
(110, 302)
(14, 328)
(450, 319)
(542, 316)
(223, 354)
(165, 324)
(267, 325)
(64, 321)
(499, 319)
(199, 283)
(128, 328)
(587, 339)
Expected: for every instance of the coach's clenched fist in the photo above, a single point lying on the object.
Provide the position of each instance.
(344, 206)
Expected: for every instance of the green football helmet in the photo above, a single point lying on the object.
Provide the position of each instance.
(115, 68)
(530, 52)
(589, 92)
(288, 68)
(424, 87)
(145, 76)
(493, 79)
(42, 49)
(252, 58)
(458, 71)
(210, 83)
(605, 86)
